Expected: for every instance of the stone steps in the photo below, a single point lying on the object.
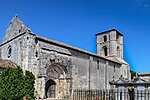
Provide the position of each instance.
(54, 99)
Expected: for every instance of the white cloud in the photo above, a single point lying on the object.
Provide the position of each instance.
(142, 3)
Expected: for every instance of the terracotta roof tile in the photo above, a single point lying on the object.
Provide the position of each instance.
(74, 48)
(7, 63)
(143, 73)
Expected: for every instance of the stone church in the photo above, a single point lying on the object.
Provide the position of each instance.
(60, 68)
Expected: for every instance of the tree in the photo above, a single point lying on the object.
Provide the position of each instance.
(133, 74)
(16, 84)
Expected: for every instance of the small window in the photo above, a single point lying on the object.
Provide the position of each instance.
(27, 38)
(109, 37)
(118, 51)
(98, 64)
(105, 38)
(36, 54)
(36, 41)
(52, 60)
(117, 38)
(19, 31)
(114, 68)
(9, 51)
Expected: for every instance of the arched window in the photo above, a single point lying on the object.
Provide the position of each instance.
(105, 50)
(9, 52)
(105, 38)
(118, 51)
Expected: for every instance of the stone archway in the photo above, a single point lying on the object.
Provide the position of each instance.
(56, 84)
(50, 89)
(55, 70)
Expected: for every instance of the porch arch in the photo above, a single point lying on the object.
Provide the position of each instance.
(55, 85)
(50, 89)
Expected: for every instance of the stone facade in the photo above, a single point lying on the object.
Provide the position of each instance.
(61, 68)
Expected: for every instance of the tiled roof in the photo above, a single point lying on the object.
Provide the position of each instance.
(74, 48)
(109, 31)
(119, 60)
(135, 81)
(120, 81)
(144, 73)
(7, 63)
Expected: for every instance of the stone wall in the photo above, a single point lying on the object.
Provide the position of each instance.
(86, 71)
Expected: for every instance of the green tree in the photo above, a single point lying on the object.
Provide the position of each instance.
(133, 74)
(16, 84)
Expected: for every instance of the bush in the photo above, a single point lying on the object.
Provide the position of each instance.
(16, 84)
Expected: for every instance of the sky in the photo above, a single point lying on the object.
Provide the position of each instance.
(75, 22)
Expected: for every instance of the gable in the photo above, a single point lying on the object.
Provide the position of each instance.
(16, 27)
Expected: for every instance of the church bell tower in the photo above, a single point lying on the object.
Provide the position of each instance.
(110, 44)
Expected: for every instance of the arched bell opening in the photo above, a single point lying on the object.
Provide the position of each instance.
(104, 51)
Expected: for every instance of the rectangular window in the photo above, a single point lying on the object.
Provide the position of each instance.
(98, 64)
(114, 68)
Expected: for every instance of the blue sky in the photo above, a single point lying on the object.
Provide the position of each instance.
(75, 22)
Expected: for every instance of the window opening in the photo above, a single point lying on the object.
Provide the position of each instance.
(118, 51)
(98, 64)
(117, 38)
(105, 50)
(105, 38)
(114, 68)
(9, 51)
(36, 54)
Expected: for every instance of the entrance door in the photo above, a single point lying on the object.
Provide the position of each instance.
(50, 89)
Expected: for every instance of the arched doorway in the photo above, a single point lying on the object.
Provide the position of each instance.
(50, 89)
(56, 85)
